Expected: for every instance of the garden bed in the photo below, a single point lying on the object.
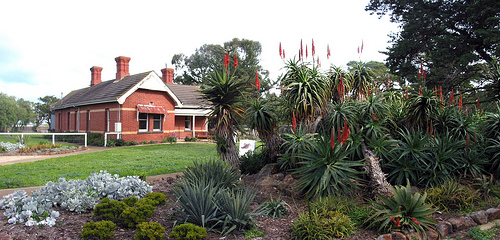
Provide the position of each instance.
(48, 151)
(70, 224)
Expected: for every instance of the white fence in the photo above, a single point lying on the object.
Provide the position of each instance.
(53, 135)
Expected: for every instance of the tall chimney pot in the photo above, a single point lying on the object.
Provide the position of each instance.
(96, 75)
(167, 75)
(122, 67)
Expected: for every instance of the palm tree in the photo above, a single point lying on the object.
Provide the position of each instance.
(225, 93)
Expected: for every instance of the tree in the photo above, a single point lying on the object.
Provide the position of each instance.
(195, 69)
(42, 109)
(25, 112)
(8, 112)
(447, 39)
(225, 92)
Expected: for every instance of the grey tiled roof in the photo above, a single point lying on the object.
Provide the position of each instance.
(107, 91)
(188, 95)
(110, 91)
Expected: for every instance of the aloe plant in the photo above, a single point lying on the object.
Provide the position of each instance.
(404, 212)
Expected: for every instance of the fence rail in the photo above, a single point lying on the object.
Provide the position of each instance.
(53, 135)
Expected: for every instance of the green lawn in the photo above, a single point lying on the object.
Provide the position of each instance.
(146, 160)
(31, 139)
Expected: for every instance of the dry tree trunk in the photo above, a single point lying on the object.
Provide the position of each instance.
(378, 181)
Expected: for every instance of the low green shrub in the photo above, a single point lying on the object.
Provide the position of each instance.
(149, 231)
(99, 230)
(326, 225)
(171, 139)
(190, 139)
(110, 209)
(452, 196)
(254, 232)
(252, 162)
(273, 208)
(130, 201)
(478, 234)
(158, 198)
(213, 171)
(357, 211)
(152, 142)
(144, 142)
(188, 231)
(131, 216)
(234, 206)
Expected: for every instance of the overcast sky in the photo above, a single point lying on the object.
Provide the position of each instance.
(48, 47)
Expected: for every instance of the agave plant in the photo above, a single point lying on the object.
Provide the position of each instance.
(326, 170)
(213, 171)
(404, 212)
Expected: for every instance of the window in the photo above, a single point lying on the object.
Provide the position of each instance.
(107, 119)
(143, 122)
(69, 121)
(156, 122)
(88, 120)
(187, 123)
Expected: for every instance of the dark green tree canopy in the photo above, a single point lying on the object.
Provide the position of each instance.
(449, 37)
(195, 69)
(42, 109)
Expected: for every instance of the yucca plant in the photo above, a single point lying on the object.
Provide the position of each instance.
(326, 170)
(213, 171)
(196, 203)
(234, 206)
(404, 212)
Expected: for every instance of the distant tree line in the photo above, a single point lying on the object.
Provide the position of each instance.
(17, 112)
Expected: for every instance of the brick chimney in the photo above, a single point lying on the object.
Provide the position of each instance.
(122, 67)
(96, 75)
(167, 75)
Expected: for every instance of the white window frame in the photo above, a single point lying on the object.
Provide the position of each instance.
(187, 119)
(143, 119)
(156, 120)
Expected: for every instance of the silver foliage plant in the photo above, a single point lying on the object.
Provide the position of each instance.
(74, 195)
(11, 146)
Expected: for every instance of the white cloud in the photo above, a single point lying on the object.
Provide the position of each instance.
(56, 42)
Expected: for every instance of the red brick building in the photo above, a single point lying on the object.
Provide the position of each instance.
(141, 107)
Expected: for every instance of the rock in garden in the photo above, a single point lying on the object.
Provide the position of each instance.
(457, 223)
(469, 222)
(398, 236)
(479, 217)
(444, 228)
(493, 213)
(385, 237)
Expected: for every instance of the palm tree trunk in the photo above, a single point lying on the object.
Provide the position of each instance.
(378, 181)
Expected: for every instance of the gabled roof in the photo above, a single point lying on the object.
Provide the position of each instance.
(184, 96)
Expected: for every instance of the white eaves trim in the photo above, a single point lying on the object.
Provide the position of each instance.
(150, 82)
(192, 112)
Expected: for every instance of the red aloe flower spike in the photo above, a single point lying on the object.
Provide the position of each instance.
(460, 101)
(345, 135)
(420, 91)
(374, 117)
(281, 54)
(328, 51)
(294, 122)
(313, 50)
(407, 96)
(398, 222)
(301, 49)
(307, 55)
(235, 60)
(284, 53)
(479, 106)
(451, 97)
(332, 140)
(300, 56)
(415, 221)
(319, 64)
(226, 59)
(257, 81)
(362, 45)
